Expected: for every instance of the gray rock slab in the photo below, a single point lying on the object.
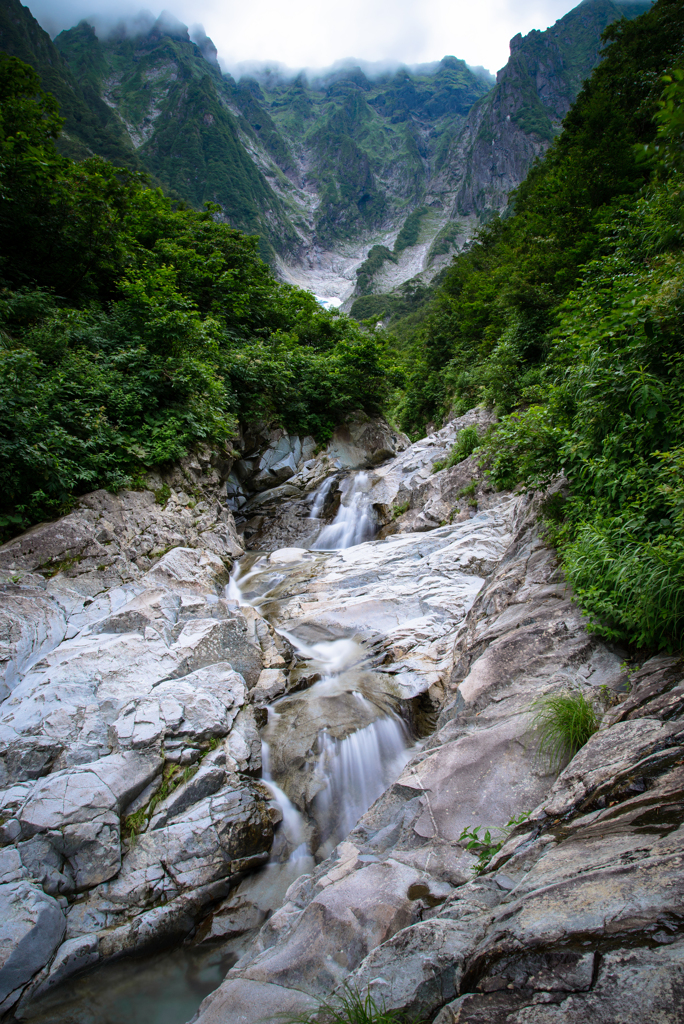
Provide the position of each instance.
(631, 986)
(207, 641)
(338, 928)
(31, 623)
(235, 1002)
(31, 928)
(483, 778)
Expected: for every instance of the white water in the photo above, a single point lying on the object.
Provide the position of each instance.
(330, 656)
(319, 497)
(359, 769)
(354, 770)
(354, 522)
(293, 823)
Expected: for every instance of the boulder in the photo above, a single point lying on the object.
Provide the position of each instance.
(235, 1001)
(363, 442)
(31, 928)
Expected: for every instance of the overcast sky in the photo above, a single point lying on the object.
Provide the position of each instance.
(315, 33)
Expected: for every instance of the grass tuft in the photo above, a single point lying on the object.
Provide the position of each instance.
(566, 722)
(349, 1007)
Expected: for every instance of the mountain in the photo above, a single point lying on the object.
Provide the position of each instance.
(176, 107)
(90, 125)
(357, 178)
(393, 171)
(521, 116)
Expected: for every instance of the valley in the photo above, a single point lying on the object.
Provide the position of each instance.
(322, 165)
(341, 621)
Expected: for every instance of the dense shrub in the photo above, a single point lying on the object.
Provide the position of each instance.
(568, 319)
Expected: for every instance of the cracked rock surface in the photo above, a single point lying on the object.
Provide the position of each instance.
(578, 918)
(136, 695)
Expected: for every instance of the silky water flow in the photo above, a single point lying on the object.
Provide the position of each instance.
(349, 766)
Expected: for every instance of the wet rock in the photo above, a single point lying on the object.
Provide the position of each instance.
(484, 776)
(410, 497)
(31, 927)
(209, 780)
(72, 956)
(76, 812)
(195, 708)
(337, 929)
(154, 668)
(591, 880)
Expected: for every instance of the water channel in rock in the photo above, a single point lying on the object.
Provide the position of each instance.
(331, 745)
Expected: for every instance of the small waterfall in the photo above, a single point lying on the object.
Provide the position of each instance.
(293, 822)
(346, 774)
(359, 768)
(320, 497)
(354, 522)
(332, 656)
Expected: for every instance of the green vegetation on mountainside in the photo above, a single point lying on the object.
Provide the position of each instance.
(361, 134)
(174, 103)
(132, 329)
(90, 126)
(568, 318)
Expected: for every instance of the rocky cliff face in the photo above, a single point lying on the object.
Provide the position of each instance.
(132, 809)
(518, 120)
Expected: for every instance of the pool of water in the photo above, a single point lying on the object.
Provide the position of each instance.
(166, 988)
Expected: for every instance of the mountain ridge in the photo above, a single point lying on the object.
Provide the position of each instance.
(324, 166)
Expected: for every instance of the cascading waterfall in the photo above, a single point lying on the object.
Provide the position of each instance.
(354, 522)
(293, 825)
(320, 497)
(358, 769)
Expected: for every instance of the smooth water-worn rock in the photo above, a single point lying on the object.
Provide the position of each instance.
(580, 911)
(122, 813)
(31, 928)
(388, 711)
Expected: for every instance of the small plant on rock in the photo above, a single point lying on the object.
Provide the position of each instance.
(485, 846)
(566, 721)
(348, 1007)
(162, 495)
(467, 440)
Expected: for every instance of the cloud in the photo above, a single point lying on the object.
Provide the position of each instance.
(309, 33)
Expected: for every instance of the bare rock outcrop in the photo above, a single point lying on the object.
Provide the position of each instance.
(580, 912)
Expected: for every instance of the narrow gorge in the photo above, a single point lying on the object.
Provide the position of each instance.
(268, 768)
(342, 528)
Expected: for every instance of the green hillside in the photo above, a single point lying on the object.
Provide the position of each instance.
(131, 330)
(173, 103)
(90, 125)
(368, 141)
(567, 318)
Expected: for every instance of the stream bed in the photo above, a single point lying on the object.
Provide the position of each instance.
(343, 713)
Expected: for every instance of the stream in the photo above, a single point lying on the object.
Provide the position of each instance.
(330, 746)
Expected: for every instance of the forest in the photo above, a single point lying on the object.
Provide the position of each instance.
(134, 327)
